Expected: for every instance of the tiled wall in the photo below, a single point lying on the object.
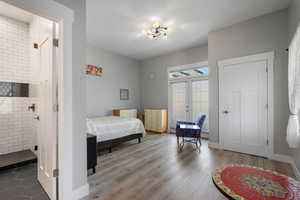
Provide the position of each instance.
(14, 51)
(17, 126)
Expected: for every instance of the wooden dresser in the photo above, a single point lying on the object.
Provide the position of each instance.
(156, 120)
(125, 113)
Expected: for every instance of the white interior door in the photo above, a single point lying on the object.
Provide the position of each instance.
(47, 129)
(179, 102)
(243, 107)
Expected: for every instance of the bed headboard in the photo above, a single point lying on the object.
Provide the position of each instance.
(125, 113)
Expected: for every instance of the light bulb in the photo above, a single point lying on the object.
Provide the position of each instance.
(156, 25)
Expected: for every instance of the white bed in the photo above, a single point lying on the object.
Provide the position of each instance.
(109, 128)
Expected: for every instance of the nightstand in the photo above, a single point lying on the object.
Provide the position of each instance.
(91, 152)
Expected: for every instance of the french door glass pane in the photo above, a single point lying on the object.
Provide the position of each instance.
(179, 95)
(200, 101)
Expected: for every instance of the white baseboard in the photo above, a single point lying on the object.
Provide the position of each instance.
(214, 145)
(81, 192)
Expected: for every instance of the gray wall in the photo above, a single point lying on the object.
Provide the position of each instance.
(262, 34)
(79, 109)
(103, 93)
(294, 20)
(294, 17)
(154, 92)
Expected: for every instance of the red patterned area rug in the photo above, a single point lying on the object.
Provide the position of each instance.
(243, 182)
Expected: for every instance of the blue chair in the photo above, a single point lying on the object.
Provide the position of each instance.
(190, 132)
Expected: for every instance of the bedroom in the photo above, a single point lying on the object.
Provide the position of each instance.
(146, 69)
(158, 99)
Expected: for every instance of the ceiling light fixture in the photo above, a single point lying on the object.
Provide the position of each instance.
(157, 31)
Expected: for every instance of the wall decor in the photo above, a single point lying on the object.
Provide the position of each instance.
(93, 70)
(124, 94)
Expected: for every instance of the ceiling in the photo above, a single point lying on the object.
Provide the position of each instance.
(116, 25)
(15, 13)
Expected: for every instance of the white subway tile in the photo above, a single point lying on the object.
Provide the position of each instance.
(17, 128)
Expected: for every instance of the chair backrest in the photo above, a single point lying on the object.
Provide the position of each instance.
(201, 120)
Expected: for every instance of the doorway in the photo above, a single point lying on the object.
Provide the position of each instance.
(28, 95)
(246, 104)
(188, 94)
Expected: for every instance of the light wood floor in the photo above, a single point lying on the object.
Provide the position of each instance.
(155, 170)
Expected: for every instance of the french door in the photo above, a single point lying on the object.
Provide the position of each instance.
(188, 99)
(179, 103)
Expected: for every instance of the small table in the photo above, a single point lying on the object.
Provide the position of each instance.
(193, 132)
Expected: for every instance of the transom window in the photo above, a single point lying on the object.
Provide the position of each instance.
(190, 73)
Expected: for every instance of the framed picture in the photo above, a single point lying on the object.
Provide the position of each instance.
(124, 94)
(93, 70)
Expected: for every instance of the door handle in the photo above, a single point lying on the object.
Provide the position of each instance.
(225, 112)
(36, 117)
(32, 107)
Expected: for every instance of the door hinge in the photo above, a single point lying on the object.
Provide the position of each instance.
(55, 42)
(55, 107)
(55, 173)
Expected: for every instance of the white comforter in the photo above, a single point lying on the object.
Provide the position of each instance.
(107, 128)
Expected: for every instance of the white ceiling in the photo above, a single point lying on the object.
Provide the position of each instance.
(116, 25)
(15, 13)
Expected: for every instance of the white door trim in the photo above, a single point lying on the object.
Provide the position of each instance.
(269, 57)
(176, 68)
(64, 17)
